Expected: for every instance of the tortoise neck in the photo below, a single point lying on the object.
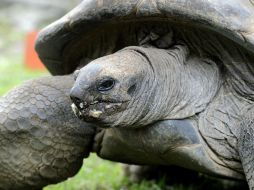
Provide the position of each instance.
(178, 85)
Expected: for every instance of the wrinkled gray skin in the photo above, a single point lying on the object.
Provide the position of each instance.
(206, 105)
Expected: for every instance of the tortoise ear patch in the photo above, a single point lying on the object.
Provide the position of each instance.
(132, 89)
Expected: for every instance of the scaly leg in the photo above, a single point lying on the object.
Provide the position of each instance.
(41, 141)
(246, 147)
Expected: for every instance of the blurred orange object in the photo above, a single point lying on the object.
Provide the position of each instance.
(32, 60)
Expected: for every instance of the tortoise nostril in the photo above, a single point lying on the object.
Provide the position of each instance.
(76, 101)
(76, 96)
(75, 74)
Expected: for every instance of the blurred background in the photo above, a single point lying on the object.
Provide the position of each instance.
(20, 20)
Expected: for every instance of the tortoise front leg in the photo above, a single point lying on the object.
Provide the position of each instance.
(41, 140)
(169, 142)
(246, 147)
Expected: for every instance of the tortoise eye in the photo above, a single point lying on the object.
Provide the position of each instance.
(106, 85)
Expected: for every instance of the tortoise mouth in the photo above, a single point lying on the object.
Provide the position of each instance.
(97, 110)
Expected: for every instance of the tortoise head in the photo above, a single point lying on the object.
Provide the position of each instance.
(106, 89)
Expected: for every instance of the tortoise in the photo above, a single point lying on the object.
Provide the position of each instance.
(157, 83)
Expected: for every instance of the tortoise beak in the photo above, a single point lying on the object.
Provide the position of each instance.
(76, 96)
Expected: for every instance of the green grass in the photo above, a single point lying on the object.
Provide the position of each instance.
(96, 174)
